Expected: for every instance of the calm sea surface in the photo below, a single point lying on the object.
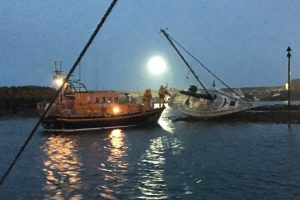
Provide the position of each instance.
(175, 160)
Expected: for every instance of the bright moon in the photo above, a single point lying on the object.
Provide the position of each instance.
(157, 65)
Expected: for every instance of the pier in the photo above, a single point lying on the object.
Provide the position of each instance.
(269, 114)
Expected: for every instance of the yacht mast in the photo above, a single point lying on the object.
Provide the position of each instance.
(186, 63)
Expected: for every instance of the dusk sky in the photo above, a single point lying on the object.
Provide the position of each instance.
(243, 42)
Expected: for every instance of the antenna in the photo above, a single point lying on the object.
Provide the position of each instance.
(97, 79)
(57, 66)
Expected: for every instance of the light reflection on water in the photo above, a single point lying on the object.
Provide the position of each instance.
(115, 167)
(152, 167)
(62, 169)
(198, 160)
(97, 165)
(151, 171)
(63, 166)
(152, 182)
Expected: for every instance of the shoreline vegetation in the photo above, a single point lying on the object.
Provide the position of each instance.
(22, 100)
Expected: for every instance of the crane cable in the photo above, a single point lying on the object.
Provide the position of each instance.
(92, 37)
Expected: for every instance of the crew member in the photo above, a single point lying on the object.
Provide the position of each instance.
(147, 99)
(161, 94)
(68, 89)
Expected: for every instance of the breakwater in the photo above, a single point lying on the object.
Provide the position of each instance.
(271, 114)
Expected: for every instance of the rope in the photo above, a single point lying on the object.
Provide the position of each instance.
(183, 59)
(60, 89)
(206, 68)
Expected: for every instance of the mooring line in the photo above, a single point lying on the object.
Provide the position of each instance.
(92, 37)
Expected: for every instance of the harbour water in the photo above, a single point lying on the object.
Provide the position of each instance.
(178, 159)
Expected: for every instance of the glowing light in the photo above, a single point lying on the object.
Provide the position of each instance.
(116, 133)
(58, 80)
(286, 86)
(157, 65)
(117, 142)
(116, 110)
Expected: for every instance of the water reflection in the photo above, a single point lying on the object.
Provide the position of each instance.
(152, 166)
(115, 167)
(151, 172)
(62, 169)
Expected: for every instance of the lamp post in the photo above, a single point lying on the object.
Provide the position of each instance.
(289, 83)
